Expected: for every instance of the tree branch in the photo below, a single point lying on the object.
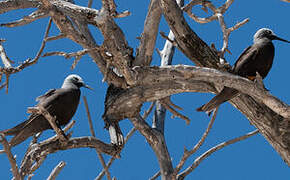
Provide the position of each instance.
(196, 50)
(187, 153)
(56, 170)
(198, 160)
(188, 42)
(52, 121)
(41, 150)
(217, 15)
(10, 157)
(159, 82)
(129, 134)
(158, 144)
(94, 135)
(10, 5)
(38, 14)
(8, 69)
(149, 35)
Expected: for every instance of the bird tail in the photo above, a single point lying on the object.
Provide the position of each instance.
(115, 132)
(225, 95)
(19, 133)
(28, 128)
(14, 130)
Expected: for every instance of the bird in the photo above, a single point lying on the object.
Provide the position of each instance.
(112, 119)
(257, 58)
(61, 103)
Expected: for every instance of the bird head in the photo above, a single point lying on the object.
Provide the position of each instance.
(74, 80)
(267, 34)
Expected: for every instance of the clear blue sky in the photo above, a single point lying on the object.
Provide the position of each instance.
(253, 158)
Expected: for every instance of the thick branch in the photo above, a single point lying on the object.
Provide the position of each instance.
(48, 147)
(80, 15)
(158, 144)
(159, 82)
(148, 37)
(10, 5)
(258, 114)
(188, 42)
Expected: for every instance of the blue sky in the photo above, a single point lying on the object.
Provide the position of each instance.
(253, 158)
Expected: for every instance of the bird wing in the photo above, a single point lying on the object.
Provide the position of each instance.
(244, 59)
(36, 122)
(47, 94)
(17, 129)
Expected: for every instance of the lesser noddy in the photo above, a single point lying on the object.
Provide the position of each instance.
(112, 120)
(60, 103)
(256, 58)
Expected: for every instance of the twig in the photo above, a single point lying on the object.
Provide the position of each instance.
(174, 112)
(43, 42)
(89, 116)
(78, 55)
(123, 14)
(56, 170)
(51, 120)
(7, 65)
(94, 135)
(217, 15)
(53, 38)
(168, 39)
(38, 14)
(35, 138)
(3, 85)
(155, 176)
(198, 160)
(11, 159)
(168, 101)
(65, 130)
(5, 59)
(90, 3)
(30, 176)
(32, 145)
(11, 70)
(187, 153)
(38, 163)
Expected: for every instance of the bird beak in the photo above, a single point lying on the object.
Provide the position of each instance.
(280, 39)
(86, 86)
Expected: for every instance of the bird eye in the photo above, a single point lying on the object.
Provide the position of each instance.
(76, 79)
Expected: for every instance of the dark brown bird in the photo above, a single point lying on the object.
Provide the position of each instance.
(112, 117)
(61, 103)
(256, 58)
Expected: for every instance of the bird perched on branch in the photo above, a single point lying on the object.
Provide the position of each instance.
(112, 117)
(60, 103)
(257, 58)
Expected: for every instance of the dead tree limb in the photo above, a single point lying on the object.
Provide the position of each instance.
(198, 160)
(56, 170)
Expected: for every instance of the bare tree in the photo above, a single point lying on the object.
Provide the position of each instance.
(140, 82)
